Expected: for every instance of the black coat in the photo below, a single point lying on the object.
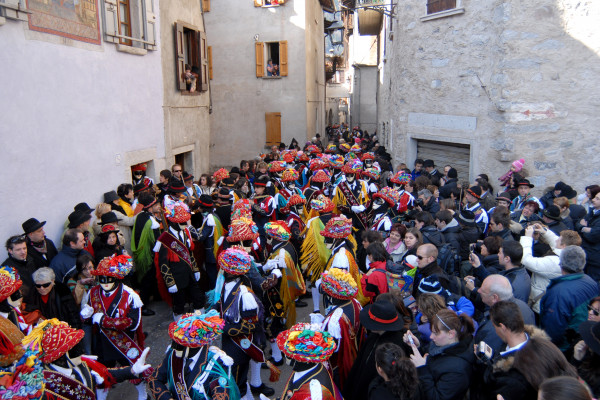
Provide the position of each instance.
(25, 269)
(591, 244)
(378, 390)
(60, 305)
(447, 188)
(432, 235)
(447, 376)
(39, 259)
(467, 235)
(452, 236)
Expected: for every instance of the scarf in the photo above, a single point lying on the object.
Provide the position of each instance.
(39, 246)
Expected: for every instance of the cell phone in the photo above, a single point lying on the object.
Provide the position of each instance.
(484, 351)
(410, 340)
(472, 247)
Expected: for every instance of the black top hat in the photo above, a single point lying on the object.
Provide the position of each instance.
(590, 332)
(83, 207)
(109, 218)
(32, 225)
(552, 212)
(77, 218)
(111, 196)
(381, 316)
(525, 182)
(466, 217)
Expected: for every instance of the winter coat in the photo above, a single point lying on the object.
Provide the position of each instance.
(542, 270)
(432, 235)
(60, 305)
(396, 253)
(63, 264)
(557, 227)
(447, 188)
(591, 244)
(432, 207)
(487, 201)
(564, 306)
(39, 259)
(518, 277)
(378, 390)
(466, 236)
(505, 234)
(447, 372)
(374, 282)
(492, 264)
(451, 235)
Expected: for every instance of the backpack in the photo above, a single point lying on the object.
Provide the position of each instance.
(399, 281)
(449, 260)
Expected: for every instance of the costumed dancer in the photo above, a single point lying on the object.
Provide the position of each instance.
(308, 348)
(384, 202)
(288, 177)
(191, 369)
(406, 201)
(302, 160)
(115, 311)
(11, 299)
(371, 178)
(351, 196)
(293, 212)
(242, 311)
(316, 188)
(138, 175)
(342, 320)
(275, 169)
(176, 266)
(336, 163)
(211, 232)
(263, 209)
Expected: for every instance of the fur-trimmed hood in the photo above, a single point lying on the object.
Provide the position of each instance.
(503, 364)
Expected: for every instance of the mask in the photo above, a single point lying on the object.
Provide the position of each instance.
(350, 178)
(291, 186)
(377, 203)
(107, 283)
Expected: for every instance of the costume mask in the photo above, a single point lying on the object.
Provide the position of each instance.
(377, 203)
(350, 178)
(107, 283)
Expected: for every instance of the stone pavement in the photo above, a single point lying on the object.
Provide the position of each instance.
(158, 339)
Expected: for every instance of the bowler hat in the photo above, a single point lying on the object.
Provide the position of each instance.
(83, 207)
(206, 201)
(475, 191)
(176, 186)
(77, 218)
(32, 225)
(111, 196)
(109, 218)
(552, 212)
(381, 316)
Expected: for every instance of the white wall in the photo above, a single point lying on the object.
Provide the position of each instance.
(74, 117)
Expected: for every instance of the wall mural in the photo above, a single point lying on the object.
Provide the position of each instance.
(74, 19)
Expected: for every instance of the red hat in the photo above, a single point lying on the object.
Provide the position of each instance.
(10, 342)
(292, 201)
(320, 176)
(401, 178)
(302, 157)
(177, 211)
(114, 266)
(242, 229)
(322, 204)
(306, 343)
(220, 174)
(242, 208)
(352, 167)
(9, 282)
(391, 196)
(58, 338)
(368, 156)
(338, 228)
(373, 173)
(289, 175)
(139, 167)
(276, 166)
(317, 163)
(288, 157)
(312, 149)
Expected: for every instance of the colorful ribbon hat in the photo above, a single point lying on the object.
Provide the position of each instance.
(220, 174)
(176, 211)
(391, 196)
(10, 282)
(337, 228)
(234, 261)
(339, 284)
(193, 330)
(276, 166)
(278, 230)
(289, 175)
(401, 178)
(242, 229)
(114, 266)
(306, 343)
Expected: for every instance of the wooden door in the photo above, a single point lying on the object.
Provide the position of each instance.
(273, 124)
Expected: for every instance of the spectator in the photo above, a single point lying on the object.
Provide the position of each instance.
(586, 353)
(524, 188)
(412, 240)
(565, 212)
(486, 199)
(425, 223)
(426, 202)
(427, 266)
(398, 379)
(449, 228)
(527, 214)
(489, 251)
(561, 189)
(553, 220)
(83, 281)
(394, 244)
(472, 198)
(589, 229)
(374, 282)
(39, 247)
(16, 246)
(432, 172)
(125, 193)
(563, 306)
(450, 184)
(563, 388)
(418, 169)
(500, 224)
(368, 237)
(81, 220)
(64, 264)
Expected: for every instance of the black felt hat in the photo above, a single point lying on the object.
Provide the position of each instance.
(32, 225)
(381, 316)
(111, 196)
(77, 218)
(83, 207)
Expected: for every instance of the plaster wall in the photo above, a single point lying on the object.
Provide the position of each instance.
(75, 117)
(527, 71)
(315, 69)
(240, 99)
(187, 123)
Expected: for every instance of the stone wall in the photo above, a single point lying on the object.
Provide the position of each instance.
(527, 71)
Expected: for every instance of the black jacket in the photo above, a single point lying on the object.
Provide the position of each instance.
(432, 235)
(39, 259)
(25, 269)
(447, 188)
(505, 234)
(452, 236)
(60, 305)
(447, 375)
(591, 244)
(467, 235)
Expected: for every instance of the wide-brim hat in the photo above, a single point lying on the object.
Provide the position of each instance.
(114, 266)
(107, 229)
(55, 338)
(242, 229)
(552, 212)
(381, 316)
(83, 206)
(176, 186)
(525, 182)
(475, 191)
(320, 176)
(10, 282)
(193, 330)
(10, 343)
(234, 261)
(289, 175)
(338, 228)
(109, 218)
(206, 201)
(147, 201)
(220, 174)
(144, 185)
(278, 230)
(339, 284)
(77, 218)
(372, 173)
(111, 196)
(388, 194)
(306, 343)
(322, 204)
(352, 167)
(32, 225)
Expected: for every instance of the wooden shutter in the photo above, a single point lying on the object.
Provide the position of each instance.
(273, 124)
(209, 52)
(180, 55)
(283, 58)
(442, 153)
(110, 21)
(150, 21)
(258, 3)
(205, 5)
(203, 62)
(260, 59)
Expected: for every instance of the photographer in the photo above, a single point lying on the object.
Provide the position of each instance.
(426, 202)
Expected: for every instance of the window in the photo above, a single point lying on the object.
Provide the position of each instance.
(13, 9)
(273, 125)
(442, 8)
(186, 160)
(268, 3)
(192, 59)
(271, 59)
(130, 23)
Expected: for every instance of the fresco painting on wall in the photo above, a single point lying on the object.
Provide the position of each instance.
(74, 19)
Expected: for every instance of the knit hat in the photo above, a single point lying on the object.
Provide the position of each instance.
(32, 225)
(109, 197)
(475, 191)
(339, 284)
(176, 211)
(10, 343)
(193, 330)
(322, 204)
(353, 167)
(466, 217)
(220, 174)
(276, 166)
(518, 164)
(234, 261)
(278, 230)
(289, 175)
(565, 190)
(430, 284)
(320, 176)
(401, 178)
(331, 148)
(139, 167)
(338, 228)
(552, 212)
(388, 194)
(242, 229)
(336, 161)
(114, 266)
(372, 173)
(306, 343)
(367, 156)
(10, 282)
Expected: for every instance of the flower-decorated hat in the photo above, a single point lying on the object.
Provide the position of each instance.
(330, 149)
(235, 261)
(294, 199)
(338, 228)
(287, 156)
(278, 230)
(391, 196)
(372, 173)
(336, 161)
(10, 282)
(176, 211)
(220, 174)
(139, 167)
(52, 339)
(312, 149)
(289, 175)
(242, 209)
(242, 229)
(302, 157)
(276, 166)
(352, 167)
(356, 148)
(401, 178)
(193, 330)
(114, 266)
(10, 342)
(320, 176)
(368, 156)
(345, 147)
(306, 343)
(322, 204)
(317, 163)
(339, 284)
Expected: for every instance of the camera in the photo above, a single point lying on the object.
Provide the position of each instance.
(484, 351)
(419, 202)
(472, 247)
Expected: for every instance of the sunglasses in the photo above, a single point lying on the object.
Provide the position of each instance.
(177, 170)
(594, 311)
(42, 285)
(16, 239)
(420, 257)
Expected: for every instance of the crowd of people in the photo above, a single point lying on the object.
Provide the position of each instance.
(423, 285)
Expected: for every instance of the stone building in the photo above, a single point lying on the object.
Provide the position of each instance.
(254, 106)
(89, 89)
(485, 83)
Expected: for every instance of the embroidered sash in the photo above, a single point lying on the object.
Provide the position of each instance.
(64, 387)
(353, 201)
(177, 374)
(175, 245)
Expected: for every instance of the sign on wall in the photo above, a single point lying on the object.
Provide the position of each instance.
(74, 19)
